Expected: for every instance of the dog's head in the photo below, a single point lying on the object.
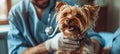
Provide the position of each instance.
(74, 21)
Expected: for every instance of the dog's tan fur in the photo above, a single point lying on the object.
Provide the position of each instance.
(74, 22)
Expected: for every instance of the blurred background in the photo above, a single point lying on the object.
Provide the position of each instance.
(5, 6)
(109, 14)
(108, 21)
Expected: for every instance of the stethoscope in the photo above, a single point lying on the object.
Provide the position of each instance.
(49, 30)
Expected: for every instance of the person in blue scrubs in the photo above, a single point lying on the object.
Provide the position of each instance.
(116, 45)
(115, 49)
(33, 28)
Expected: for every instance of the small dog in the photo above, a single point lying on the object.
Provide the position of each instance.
(74, 22)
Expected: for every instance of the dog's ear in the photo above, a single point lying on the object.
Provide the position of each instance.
(91, 9)
(59, 5)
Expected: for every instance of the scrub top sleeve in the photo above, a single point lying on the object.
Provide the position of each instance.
(72, 2)
(116, 45)
(16, 41)
(92, 34)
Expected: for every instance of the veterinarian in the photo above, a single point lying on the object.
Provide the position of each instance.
(115, 49)
(33, 29)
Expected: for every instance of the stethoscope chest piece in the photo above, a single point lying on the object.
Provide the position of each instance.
(49, 30)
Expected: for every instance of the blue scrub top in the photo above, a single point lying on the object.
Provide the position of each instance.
(26, 30)
(115, 49)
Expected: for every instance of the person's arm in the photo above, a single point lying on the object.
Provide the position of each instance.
(56, 43)
(97, 40)
(115, 49)
(39, 49)
(17, 42)
(94, 35)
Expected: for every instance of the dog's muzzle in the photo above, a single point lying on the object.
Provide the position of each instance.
(68, 21)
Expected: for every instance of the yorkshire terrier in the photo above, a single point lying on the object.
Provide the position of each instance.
(74, 22)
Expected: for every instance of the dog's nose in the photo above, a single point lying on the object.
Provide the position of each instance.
(69, 21)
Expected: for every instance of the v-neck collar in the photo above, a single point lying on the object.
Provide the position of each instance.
(46, 12)
(45, 15)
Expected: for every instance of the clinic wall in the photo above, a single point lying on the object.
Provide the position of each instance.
(113, 20)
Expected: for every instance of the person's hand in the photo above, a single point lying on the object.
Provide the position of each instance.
(59, 42)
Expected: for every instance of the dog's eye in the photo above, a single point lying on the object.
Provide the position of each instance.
(65, 14)
(78, 15)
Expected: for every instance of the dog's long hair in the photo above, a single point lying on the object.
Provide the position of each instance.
(80, 19)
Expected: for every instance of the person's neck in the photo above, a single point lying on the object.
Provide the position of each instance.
(39, 11)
